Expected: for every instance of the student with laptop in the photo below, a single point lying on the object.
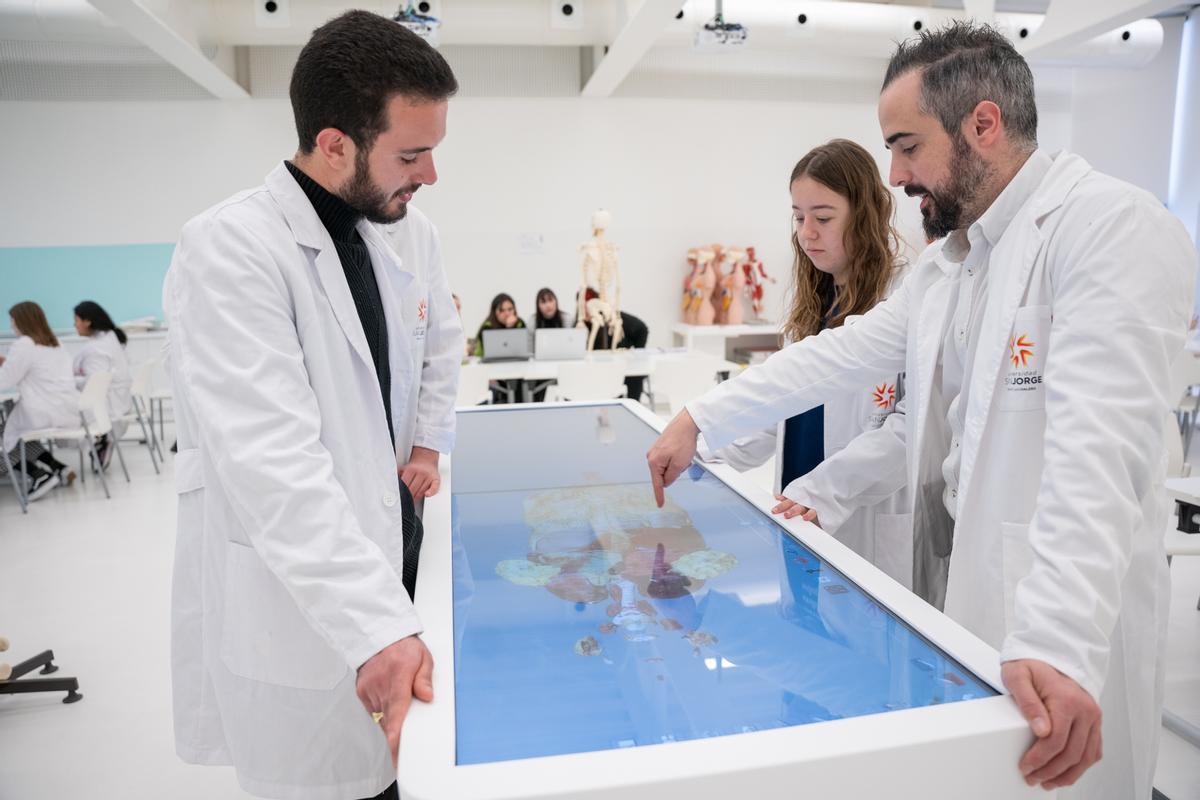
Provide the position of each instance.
(502, 318)
(502, 315)
(548, 314)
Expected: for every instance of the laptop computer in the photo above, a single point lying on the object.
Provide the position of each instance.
(559, 344)
(506, 344)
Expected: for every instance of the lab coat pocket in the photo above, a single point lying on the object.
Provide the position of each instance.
(189, 471)
(894, 546)
(1022, 387)
(265, 637)
(1016, 562)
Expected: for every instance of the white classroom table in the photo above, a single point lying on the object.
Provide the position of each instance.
(634, 364)
(721, 340)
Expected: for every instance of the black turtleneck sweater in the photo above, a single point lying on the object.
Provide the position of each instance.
(341, 219)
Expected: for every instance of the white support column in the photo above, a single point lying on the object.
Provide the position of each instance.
(981, 10)
(1072, 22)
(177, 48)
(644, 27)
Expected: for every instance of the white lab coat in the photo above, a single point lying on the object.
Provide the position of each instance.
(42, 376)
(289, 551)
(873, 520)
(103, 352)
(1058, 550)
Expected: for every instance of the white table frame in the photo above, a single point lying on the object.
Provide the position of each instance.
(953, 751)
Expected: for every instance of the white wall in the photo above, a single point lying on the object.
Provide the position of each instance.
(674, 173)
(1123, 118)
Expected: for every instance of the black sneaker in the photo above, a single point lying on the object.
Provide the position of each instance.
(104, 448)
(41, 485)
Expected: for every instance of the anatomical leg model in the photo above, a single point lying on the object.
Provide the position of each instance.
(733, 284)
(601, 315)
(600, 272)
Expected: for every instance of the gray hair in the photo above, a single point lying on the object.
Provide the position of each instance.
(963, 64)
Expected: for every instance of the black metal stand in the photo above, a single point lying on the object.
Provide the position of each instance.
(45, 660)
(1188, 515)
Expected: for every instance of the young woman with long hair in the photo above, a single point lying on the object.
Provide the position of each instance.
(39, 368)
(104, 351)
(549, 314)
(845, 260)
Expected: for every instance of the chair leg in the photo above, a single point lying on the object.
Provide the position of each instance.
(12, 475)
(96, 458)
(146, 436)
(120, 456)
(82, 471)
(162, 422)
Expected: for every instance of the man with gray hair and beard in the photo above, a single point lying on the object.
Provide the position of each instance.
(1037, 334)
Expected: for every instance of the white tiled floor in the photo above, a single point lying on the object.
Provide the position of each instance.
(90, 578)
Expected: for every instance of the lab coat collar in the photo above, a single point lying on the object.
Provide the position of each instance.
(311, 233)
(1004, 209)
(301, 217)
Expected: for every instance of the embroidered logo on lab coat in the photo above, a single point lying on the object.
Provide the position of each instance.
(1020, 350)
(1024, 375)
(422, 313)
(884, 395)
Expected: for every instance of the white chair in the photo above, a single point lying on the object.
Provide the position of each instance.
(94, 421)
(153, 398)
(681, 382)
(589, 380)
(139, 392)
(1185, 374)
(472, 386)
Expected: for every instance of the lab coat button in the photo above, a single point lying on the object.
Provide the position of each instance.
(389, 499)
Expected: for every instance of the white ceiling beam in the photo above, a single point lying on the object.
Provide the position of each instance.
(645, 25)
(981, 10)
(1072, 22)
(178, 48)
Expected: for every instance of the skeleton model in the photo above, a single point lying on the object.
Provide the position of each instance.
(756, 276)
(600, 273)
(732, 287)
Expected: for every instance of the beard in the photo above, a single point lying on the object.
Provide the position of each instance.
(952, 206)
(363, 195)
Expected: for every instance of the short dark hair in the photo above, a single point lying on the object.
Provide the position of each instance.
(964, 64)
(349, 70)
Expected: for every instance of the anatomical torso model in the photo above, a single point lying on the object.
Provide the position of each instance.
(733, 284)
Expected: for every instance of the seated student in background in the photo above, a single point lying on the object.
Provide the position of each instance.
(548, 314)
(502, 315)
(103, 351)
(40, 370)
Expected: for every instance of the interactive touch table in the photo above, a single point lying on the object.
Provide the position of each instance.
(587, 642)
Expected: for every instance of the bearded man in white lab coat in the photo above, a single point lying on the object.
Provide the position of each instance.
(1037, 335)
(315, 364)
